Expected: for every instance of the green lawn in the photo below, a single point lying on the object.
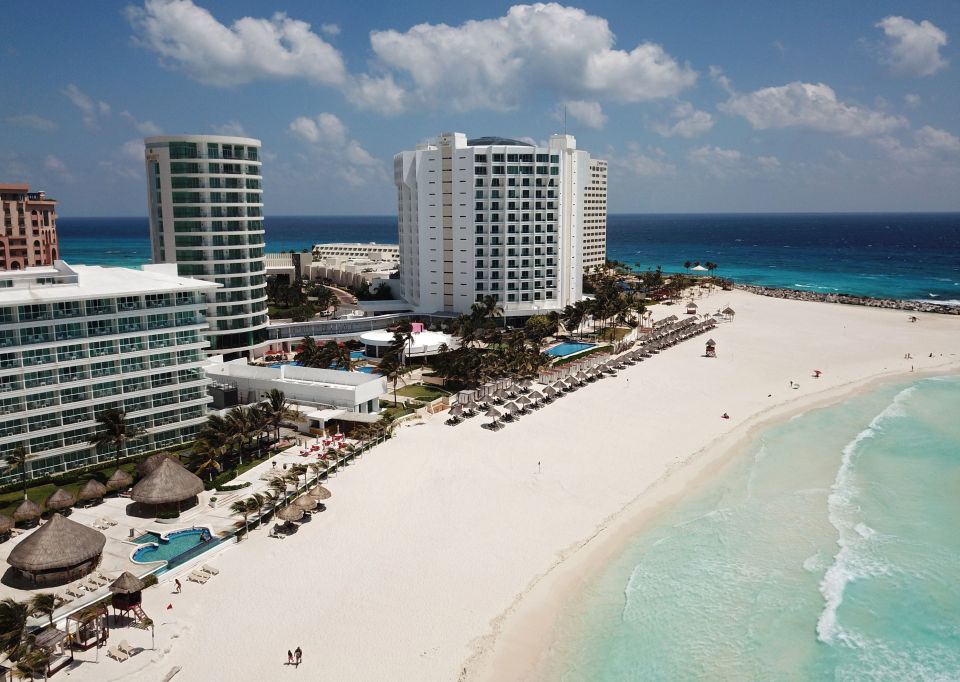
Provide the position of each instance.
(397, 411)
(11, 499)
(423, 392)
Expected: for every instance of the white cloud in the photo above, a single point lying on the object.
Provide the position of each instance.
(330, 29)
(331, 141)
(589, 114)
(688, 122)
(234, 128)
(146, 128)
(929, 144)
(133, 150)
(56, 165)
(724, 163)
(811, 106)
(381, 94)
(651, 163)
(912, 101)
(912, 49)
(191, 39)
(34, 121)
(90, 110)
(493, 63)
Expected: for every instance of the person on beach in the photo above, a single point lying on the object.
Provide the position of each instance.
(725, 416)
(176, 583)
(298, 653)
(289, 657)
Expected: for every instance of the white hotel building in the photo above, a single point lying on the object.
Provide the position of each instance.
(77, 341)
(206, 215)
(499, 217)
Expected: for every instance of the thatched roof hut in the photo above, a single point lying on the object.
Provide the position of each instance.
(59, 551)
(59, 500)
(306, 502)
(147, 466)
(92, 490)
(127, 583)
(27, 511)
(6, 523)
(319, 492)
(120, 480)
(168, 483)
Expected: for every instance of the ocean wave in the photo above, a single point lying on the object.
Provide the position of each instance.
(851, 562)
(949, 301)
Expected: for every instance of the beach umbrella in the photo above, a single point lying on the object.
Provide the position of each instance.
(6, 523)
(523, 400)
(319, 492)
(536, 396)
(510, 408)
(290, 513)
(549, 391)
(92, 490)
(169, 482)
(27, 511)
(306, 502)
(456, 410)
(60, 500)
(120, 480)
(493, 413)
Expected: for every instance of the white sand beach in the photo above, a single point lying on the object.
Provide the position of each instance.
(444, 552)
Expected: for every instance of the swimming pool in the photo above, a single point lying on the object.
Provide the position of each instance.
(369, 369)
(175, 545)
(567, 348)
(278, 365)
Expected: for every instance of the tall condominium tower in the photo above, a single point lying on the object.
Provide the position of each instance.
(492, 216)
(595, 217)
(29, 233)
(206, 215)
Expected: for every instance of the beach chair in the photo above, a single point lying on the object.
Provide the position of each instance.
(105, 577)
(126, 648)
(75, 592)
(198, 577)
(91, 585)
(207, 568)
(114, 652)
(109, 522)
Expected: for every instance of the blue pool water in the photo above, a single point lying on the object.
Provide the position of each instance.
(367, 370)
(565, 349)
(356, 355)
(176, 544)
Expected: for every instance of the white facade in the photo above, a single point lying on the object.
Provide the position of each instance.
(355, 393)
(370, 251)
(595, 216)
(77, 341)
(492, 217)
(206, 215)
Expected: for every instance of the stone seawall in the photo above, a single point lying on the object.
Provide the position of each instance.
(892, 303)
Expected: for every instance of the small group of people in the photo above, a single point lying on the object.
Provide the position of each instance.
(294, 657)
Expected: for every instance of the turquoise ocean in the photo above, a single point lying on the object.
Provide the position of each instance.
(827, 550)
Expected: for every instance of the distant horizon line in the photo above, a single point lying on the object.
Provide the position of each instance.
(651, 213)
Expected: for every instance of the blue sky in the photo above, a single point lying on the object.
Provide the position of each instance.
(698, 106)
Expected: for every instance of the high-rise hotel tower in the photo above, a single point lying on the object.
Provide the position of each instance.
(206, 215)
(493, 216)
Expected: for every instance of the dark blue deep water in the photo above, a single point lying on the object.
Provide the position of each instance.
(896, 255)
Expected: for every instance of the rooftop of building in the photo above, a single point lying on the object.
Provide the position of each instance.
(291, 374)
(228, 139)
(493, 141)
(22, 191)
(373, 246)
(93, 281)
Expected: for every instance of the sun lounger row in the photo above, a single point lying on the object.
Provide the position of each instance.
(123, 651)
(202, 575)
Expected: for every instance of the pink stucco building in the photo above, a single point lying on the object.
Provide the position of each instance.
(28, 227)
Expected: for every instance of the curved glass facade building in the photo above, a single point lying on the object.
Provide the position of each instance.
(206, 215)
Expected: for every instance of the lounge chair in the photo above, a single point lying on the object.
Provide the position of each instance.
(125, 647)
(206, 568)
(115, 652)
(91, 585)
(198, 577)
(105, 577)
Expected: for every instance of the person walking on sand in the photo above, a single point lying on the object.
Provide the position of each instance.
(179, 587)
(298, 652)
(289, 657)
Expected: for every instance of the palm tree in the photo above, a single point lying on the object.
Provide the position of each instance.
(116, 432)
(45, 603)
(306, 352)
(278, 410)
(18, 462)
(256, 503)
(242, 508)
(296, 471)
(278, 484)
(13, 624)
(210, 456)
(686, 265)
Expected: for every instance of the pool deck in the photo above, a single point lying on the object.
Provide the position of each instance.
(120, 546)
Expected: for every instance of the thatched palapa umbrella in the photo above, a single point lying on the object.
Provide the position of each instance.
(306, 502)
(127, 583)
(6, 523)
(27, 511)
(92, 490)
(60, 500)
(120, 480)
(169, 483)
(290, 513)
(59, 551)
(319, 492)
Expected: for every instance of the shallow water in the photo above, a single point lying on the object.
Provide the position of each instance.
(827, 550)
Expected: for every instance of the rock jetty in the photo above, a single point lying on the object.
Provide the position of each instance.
(892, 303)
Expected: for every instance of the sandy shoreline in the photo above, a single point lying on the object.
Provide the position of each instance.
(429, 562)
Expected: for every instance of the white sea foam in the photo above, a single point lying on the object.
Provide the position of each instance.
(850, 563)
